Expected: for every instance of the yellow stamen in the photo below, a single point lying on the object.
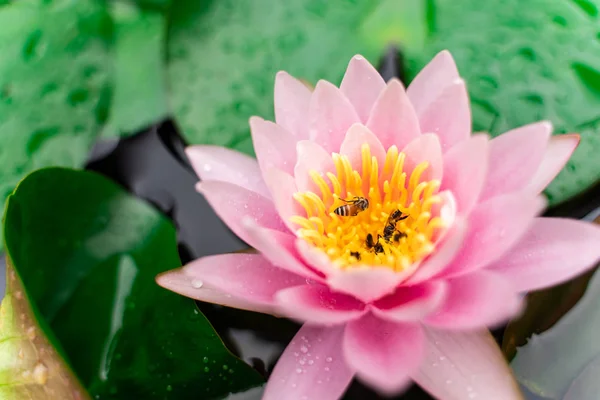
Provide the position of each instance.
(388, 188)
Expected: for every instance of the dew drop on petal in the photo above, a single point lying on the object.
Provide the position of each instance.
(298, 370)
(197, 283)
(304, 349)
(207, 167)
(329, 359)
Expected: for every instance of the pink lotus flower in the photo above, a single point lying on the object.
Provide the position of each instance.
(403, 287)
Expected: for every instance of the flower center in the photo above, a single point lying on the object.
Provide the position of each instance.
(373, 217)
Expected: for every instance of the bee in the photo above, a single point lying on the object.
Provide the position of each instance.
(375, 245)
(354, 206)
(398, 235)
(355, 254)
(390, 226)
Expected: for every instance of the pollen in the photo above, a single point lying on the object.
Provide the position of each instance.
(397, 228)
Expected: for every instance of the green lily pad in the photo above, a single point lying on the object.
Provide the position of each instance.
(88, 254)
(155, 5)
(30, 367)
(223, 56)
(53, 84)
(139, 95)
(525, 61)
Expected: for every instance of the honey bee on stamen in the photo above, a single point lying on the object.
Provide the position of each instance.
(354, 206)
(398, 235)
(390, 227)
(375, 245)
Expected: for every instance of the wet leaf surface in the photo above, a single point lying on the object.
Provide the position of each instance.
(30, 366)
(526, 61)
(53, 84)
(139, 95)
(223, 56)
(88, 255)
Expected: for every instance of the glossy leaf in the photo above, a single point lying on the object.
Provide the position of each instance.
(525, 61)
(139, 95)
(154, 5)
(544, 309)
(53, 76)
(550, 362)
(30, 367)
(223, 56)
(88, 254)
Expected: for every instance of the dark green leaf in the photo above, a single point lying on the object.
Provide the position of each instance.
(154, 5)
(525, 61)
(223, 56)
(139, 96)
(53, 76)
(88, 254)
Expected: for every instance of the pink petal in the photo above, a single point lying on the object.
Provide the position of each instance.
(330, 116)
(215, 163)
(311, 157)
(552, 251)
(446, 209)
(311, 367)
(476, 300)
(366, 284)
(232, 203)
(279, 248)
(393, 118)
(186, 285)
(465, 365)
(273, 145)
(424, 148)
(291, 104)
(351, 147)
(557, 154)
(465, 171)
(448, 116)
(432, 80)
(445, 252)
(283, 187)
(514, 158)
(362, 84)
(245, 277)
(315, 257)
(317, 304)
(411, 303)
(383, 353)
(494, 227)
